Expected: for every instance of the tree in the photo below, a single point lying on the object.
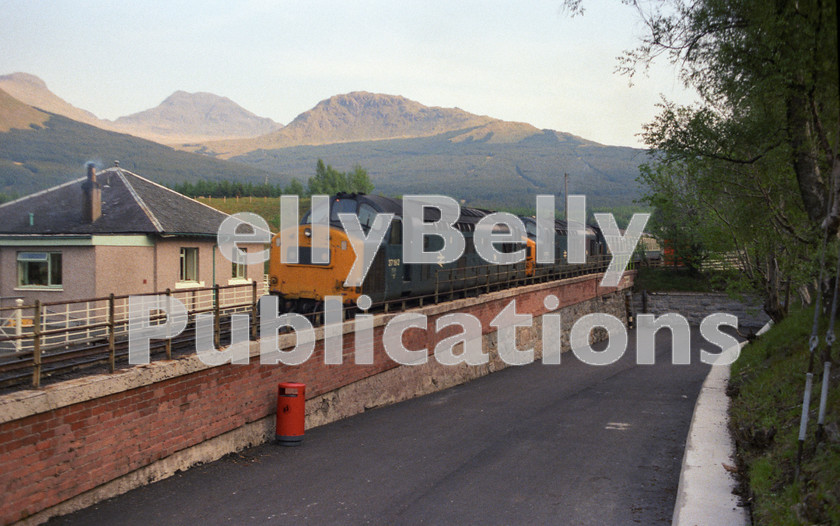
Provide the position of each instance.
(328, 180)
(359, 180)
(757, 158)
(294, 188)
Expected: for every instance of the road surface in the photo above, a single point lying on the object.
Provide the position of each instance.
(538, 444)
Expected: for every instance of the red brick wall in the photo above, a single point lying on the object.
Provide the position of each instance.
(56, 454)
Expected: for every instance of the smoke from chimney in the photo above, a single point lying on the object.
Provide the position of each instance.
(91, 196)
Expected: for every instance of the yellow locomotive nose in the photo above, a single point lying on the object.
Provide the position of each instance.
(308, 279)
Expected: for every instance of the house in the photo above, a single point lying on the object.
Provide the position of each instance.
(111, 232)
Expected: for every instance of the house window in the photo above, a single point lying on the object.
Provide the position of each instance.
(239, 269)
(189, 264)
(39, 269)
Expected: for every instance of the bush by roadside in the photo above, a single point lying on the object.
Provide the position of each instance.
(766, 388)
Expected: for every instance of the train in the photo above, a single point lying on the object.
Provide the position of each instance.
(302, 286)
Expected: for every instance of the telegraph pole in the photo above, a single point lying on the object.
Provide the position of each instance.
(566, 187)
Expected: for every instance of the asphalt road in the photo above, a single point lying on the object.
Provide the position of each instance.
(538, 444)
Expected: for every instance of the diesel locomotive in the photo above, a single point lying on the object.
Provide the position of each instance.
(302, 286)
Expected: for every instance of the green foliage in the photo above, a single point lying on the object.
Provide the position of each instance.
(767, 383)
(227, 189)
(744, 172)
(359, 181)
(681, 218)
(294, 188)
(329, 181)
(622, 213)
(7, 197)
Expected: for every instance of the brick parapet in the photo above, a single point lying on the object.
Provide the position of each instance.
(82, 440)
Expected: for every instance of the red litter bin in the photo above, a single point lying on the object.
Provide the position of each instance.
(291, 410)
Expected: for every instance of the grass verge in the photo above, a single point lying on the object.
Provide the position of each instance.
(266, 207)
(766, 390)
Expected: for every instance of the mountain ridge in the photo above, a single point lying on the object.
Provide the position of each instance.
(181, 117)
(195, 117)
(405, 146)
(212, 124)
(364, 116)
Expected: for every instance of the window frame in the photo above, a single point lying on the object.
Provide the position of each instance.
(54, 264)
(184, 276)
(239, 268)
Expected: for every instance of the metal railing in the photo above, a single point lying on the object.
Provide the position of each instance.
(71, 334)
(50, 338)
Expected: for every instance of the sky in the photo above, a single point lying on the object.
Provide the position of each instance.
(519, 61)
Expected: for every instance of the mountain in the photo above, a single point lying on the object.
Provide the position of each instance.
(195, 117)
(33, 91)
(40, 149)
(357, 116)
(182, 117)
(405, 146)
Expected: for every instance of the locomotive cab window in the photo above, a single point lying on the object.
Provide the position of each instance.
(342, 206)
(39, 269)
(531, 229)
(318, 214)
(366, 216)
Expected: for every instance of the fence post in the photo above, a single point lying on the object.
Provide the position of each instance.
(36, 346)
(67, 325)
(254, 310)
(18, 323)
(169, 311)
(218, 314)
(112, 354)
(87, 320)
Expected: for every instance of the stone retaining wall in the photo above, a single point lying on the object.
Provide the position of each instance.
(697, 305)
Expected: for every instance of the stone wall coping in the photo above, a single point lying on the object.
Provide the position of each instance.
(690, 293)
(28, 402)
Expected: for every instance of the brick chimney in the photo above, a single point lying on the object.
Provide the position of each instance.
(91, 196)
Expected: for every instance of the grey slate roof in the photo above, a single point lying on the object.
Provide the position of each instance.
(130, 205)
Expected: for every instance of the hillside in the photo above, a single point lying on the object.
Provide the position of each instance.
(56, 150)
(482, 172)
(357, 116)
(15, 114)
(194, 117)
(33, 91)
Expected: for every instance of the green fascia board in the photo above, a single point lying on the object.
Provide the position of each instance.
(77, 241)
